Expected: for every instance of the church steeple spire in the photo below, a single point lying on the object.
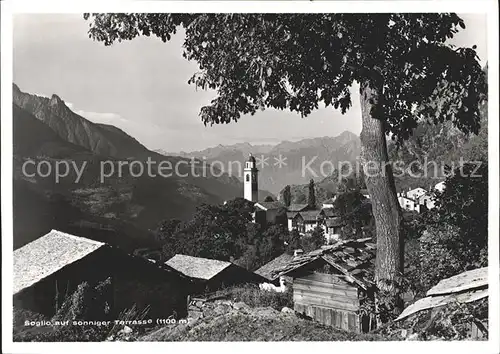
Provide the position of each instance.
(250, 179)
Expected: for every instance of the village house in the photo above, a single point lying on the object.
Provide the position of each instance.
(440, 186)
(415, 193)
(417, 199)
(311, 220)
(333, 229)
(364, 193)
(329, 203)
(267, 212)
(211, 274)
(307, 220)
(331, 284)
(426, 201)
(297, 207)
(407, 203)
(51, 267)
(295, 221)
(329, 213)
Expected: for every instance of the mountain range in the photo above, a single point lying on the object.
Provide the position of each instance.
(289, 162)
(124, 208)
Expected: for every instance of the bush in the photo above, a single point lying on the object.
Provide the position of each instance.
(87, 303)
(456, 235)
(450, 322)
(444, 255)
(251, 295)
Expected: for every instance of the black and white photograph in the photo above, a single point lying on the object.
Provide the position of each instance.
(227, 175)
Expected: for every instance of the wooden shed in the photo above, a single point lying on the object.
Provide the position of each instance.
(330, 284)
(51, 267)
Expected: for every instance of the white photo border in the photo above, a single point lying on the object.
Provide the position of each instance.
(9, 9)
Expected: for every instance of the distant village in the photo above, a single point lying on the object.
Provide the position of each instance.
(305, 218)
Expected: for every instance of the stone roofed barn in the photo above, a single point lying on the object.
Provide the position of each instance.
(55, 264)
(211, 274)
(330, 284)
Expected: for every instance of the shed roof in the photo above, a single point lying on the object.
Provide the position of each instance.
(465, 287)
(352, 258)
(197, 267)
(48, 254)
(464, 281)
(278, 262)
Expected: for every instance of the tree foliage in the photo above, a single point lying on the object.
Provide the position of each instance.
(287, 196)
(224, 232)
(356, 214)
(293, 242)
(456, 239)
(296, 61)
(315, 240)
(406, 70)
(311, 197)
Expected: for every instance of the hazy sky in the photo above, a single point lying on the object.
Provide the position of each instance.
(141, 86)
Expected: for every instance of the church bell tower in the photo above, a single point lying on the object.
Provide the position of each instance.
(251, 188)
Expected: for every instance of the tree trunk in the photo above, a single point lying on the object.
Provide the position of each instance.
(380, 183)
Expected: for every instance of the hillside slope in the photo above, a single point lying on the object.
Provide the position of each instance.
(239, 322)
(46, 129)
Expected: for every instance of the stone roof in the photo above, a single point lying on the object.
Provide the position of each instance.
(353, 259)
(278, 262)
(329, 212)
(465, 287)
(293, 214)
(197, 267)
(48, 254)
(310, 215)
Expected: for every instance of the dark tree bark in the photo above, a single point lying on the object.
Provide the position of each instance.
(380, 183)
